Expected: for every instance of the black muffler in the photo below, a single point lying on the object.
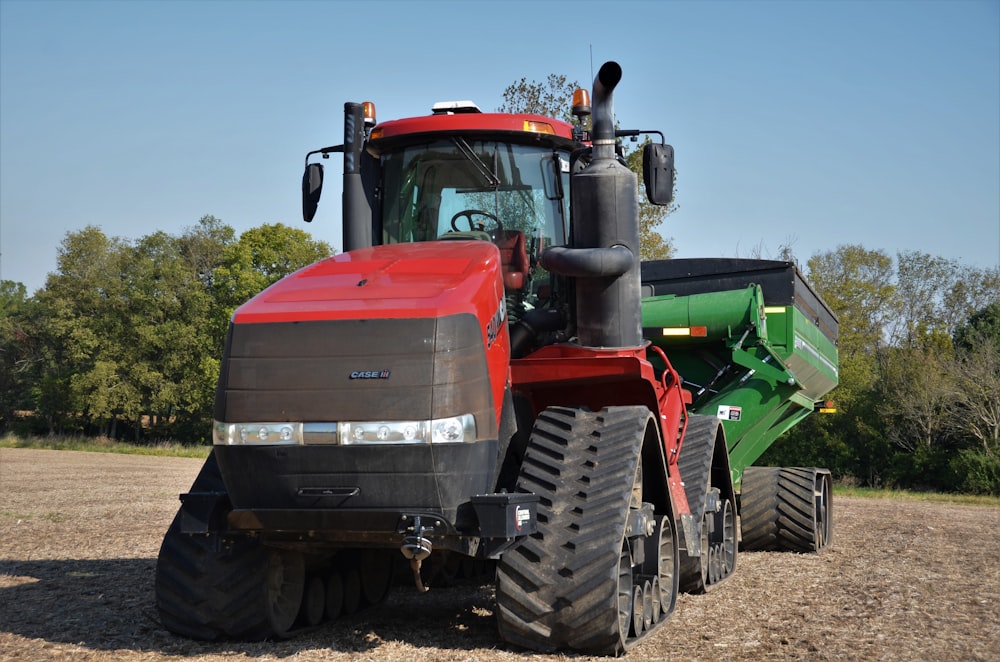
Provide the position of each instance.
(604, 256)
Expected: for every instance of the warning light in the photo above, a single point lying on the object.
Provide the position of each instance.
(581, 103)
(369, 112)
(826, 407)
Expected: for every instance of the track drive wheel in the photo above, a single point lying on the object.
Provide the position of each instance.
(786, 509)
(570, 585)
(286, 580)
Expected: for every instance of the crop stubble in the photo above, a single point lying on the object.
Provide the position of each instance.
(79, 534)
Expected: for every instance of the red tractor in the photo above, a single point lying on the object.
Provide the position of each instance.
(467, 384)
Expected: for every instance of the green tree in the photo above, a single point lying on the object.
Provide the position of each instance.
(76, 323)
(169, 351)
(16, 350)
(858, 284)
(936, 295)
(262, 256)
(975, 410)
(915, 391)
(982, 326)
(551, 98)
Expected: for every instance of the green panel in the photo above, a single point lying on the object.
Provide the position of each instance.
(723, 314)
(758, 369)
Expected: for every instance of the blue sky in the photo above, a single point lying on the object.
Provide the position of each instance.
(810, 123)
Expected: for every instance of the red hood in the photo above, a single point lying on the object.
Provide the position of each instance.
(429, 279)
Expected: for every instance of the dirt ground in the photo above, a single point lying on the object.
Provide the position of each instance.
(79, 535)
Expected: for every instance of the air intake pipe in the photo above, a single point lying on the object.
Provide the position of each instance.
(604, 256)
(357, 213)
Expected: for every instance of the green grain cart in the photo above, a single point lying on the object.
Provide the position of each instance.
(756, 347)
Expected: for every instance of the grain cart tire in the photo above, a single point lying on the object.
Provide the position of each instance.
(570, 584)
(786, 509)
(210, 587)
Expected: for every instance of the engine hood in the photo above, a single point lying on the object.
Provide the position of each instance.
(428, 279)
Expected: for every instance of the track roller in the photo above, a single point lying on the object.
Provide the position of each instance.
(313, 602)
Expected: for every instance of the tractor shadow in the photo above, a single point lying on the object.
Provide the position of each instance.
(110, 605)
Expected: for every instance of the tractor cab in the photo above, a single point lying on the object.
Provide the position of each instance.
(459, 174)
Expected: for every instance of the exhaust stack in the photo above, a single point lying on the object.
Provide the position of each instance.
(604, 256)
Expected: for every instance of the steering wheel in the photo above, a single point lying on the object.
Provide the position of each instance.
(468, 214)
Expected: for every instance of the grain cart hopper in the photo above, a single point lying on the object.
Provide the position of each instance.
(467, 382)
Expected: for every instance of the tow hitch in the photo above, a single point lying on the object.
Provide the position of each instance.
(416, 548)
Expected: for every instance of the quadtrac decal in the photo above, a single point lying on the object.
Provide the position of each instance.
(494, 325)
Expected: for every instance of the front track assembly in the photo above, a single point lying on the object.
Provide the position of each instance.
(600, 573)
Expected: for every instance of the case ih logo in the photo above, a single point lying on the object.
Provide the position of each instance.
(370, 374)
(493, 326)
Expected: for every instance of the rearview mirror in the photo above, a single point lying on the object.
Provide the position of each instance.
(658, 173)
(312, 188)
(552, 177)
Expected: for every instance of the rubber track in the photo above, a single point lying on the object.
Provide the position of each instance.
(695, 460)
(558, 589)
(778, 509)
(695, 466)
(206, 594)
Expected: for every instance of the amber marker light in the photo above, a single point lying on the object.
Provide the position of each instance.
(538, 127)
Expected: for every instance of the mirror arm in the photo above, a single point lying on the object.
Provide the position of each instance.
(631, 133)
(325, 151)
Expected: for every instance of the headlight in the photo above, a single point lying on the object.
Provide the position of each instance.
(233, 434)
(450, 430)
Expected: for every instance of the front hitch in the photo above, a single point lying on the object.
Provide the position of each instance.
(415, 547)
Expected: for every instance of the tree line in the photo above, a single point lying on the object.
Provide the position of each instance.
(918, 405)
(125, 338)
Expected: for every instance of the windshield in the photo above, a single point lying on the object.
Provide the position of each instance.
(459, 185)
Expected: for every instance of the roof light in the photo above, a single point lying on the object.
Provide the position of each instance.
(454, 107)
(369, 110)
(581, 103)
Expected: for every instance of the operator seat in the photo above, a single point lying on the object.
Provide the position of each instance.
(513, 258)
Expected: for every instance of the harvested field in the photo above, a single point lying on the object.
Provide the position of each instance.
(79, 535)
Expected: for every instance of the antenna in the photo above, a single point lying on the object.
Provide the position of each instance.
(591, 62)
